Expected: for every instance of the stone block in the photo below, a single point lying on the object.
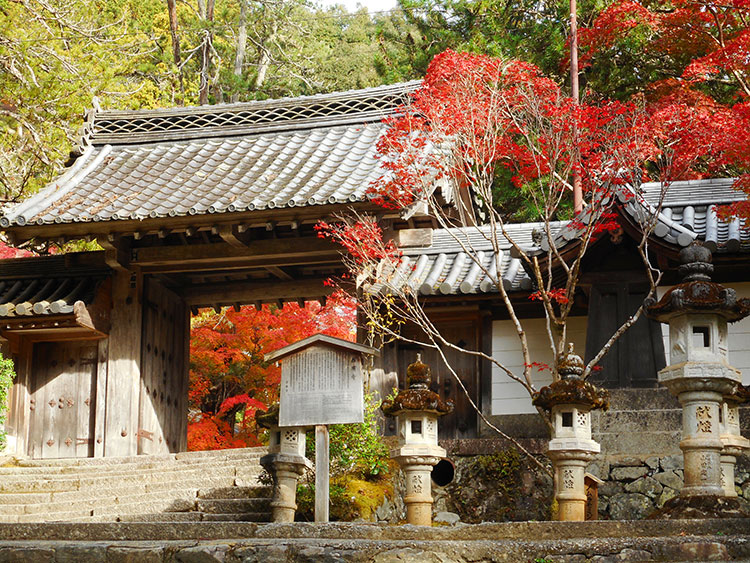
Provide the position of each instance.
(203, 554)
(630, 506)
(408, 555)
(636, 443)
(80, 552)
(671, 462)
(626, 462)
(609, 488)
(666, 494)
(132, 554)
(569, 558)
(643, 399)
(27, 554)
(260, 554)
(700, 551)
(669, 479)
(624, 555)
(599, 468)
(652, 462)
(450, 518)
(628, 473)
(646, 486)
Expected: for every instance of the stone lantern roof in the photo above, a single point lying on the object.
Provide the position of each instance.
(268, 419)
(417, 396)
(570, 389)
(697, 293)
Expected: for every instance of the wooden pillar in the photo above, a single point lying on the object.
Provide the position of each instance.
(123, 367)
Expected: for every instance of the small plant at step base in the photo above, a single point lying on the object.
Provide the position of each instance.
(7, 375)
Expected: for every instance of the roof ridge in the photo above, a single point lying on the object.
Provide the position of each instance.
(336, 108)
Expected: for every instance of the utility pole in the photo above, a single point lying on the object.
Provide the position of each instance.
(577, 188)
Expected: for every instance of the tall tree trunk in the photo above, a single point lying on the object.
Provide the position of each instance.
(265, 58)
(176, 56)
(239, 55)
(206, 53)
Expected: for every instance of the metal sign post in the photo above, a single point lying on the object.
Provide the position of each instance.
(322, 473)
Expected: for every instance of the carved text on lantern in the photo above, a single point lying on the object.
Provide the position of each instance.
(416, 483)
(568, 479)
(703, 418)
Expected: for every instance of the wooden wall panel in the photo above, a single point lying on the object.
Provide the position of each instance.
(19, 411)
(462, 422)
(63, 389)
(164, 378)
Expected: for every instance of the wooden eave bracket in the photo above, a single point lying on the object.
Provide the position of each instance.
(232, 236)
(116, 252)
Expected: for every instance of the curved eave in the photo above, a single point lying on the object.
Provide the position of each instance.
(125, 227)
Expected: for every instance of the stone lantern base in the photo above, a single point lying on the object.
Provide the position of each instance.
(570, 469)
(418, 499)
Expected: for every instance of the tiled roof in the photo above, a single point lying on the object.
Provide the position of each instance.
(44, 296)
(216, 159)
(462, 262)
(689, 212)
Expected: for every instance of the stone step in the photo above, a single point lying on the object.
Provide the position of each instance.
(231, 506)
(561, 542)
(132, 468)
(237, 517)
(18, 484)
(235, 492)
(184, 498)
(237, 453)
(160, 517)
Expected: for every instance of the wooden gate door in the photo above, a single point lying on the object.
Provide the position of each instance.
(462, 422)
(162, 415)
(62, 399)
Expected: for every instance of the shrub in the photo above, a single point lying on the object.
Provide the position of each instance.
(7, 375)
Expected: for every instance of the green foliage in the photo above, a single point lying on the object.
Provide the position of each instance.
(360, 469)
(356, 449)
(7, 375)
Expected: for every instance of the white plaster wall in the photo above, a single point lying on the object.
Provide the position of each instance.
(508, 396)
(739, 335)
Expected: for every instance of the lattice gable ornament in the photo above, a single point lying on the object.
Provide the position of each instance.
(122, 127)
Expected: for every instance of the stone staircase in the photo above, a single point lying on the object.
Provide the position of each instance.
(191, 486)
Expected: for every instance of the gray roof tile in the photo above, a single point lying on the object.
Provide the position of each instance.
(461, 261)
(689, 212)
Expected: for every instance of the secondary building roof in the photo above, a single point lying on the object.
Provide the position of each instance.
(461, 261)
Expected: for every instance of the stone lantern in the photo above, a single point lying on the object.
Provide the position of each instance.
(417, 409)
(697, 311)
(570, 401)
(285, 461)
(731, 438)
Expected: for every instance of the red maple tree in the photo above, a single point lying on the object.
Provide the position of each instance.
(700, 103)
(229, 378)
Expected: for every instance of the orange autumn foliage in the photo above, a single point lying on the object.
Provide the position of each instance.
(229, 378)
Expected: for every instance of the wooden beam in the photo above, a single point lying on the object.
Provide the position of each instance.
(215, 255)
(279, 273)
(251, 292)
